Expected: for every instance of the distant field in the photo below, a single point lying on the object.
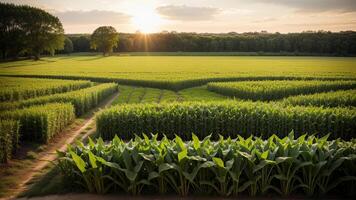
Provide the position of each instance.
(180, 72)
(181, 64)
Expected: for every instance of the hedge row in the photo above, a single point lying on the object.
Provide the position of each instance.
(15, 89)
(9, 136)
(41, 123)
(272, 90)
(229, 118)
(83, 100)
(328, 99)
(289, 166)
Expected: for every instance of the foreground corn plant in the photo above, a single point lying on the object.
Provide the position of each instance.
(227, 167)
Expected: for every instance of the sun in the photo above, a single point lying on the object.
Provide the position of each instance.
(146, 20)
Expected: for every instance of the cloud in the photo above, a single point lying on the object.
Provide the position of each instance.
(183, 12)
(316, 5)
(265, 20)
(78, 17)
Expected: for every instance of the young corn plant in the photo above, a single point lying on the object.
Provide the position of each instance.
(227, 167)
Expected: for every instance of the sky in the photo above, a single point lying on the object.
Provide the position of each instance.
(213, 16)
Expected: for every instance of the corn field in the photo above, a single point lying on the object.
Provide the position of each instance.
(228, 118)
(41, 123)
(83, 100)
(179, 81)
(9, 137)
(343, 98)
(272, 90)
(15, 89)
(227, 167)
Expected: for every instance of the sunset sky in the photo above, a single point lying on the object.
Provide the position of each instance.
(215, 16)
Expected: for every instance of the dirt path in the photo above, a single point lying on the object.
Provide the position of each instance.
(49, 154)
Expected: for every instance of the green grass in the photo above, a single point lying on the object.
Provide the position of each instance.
(131, 94)
(157, 67)
(181, 72)
(200, 94)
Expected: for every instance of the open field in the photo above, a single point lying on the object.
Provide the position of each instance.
(197, 100)
(179, 72)
(259, 101)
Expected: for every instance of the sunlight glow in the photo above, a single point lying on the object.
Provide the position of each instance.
(146, 20)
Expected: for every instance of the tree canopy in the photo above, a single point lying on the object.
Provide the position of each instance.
(305, 43)
(68, 46)
(104, 38)
(29, 30)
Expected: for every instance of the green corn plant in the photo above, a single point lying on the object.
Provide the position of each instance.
(82, 99)
(15, 89)
(9, 139)
(288, 164)
(266, 168)
(228, 118)
(226, 167)
(342, 98)
(40, 123)
(272, 90)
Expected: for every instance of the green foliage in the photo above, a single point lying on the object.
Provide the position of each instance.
(82, 100)
(9, 136)
(229, 118)
(328, 99)
(227, 167)
(271, 90)
(33, 29)
(231, 44)
(104, 38)
(41, 123)
(14, 89)
(68, 46)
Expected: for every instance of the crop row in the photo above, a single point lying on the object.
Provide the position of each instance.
(183, 81)
(228, 167)
(14, 89)
(9, 137)
(272, 90)
(83, 99)
(342, 98)
(41, 123)
(229, 118)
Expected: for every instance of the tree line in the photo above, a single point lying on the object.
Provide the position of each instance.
(319, 43)
(29, 31)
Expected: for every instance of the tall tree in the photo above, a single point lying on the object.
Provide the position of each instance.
(104, 38)
(28, 29)
(11, 33)
(44, 32)
(68, 46)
